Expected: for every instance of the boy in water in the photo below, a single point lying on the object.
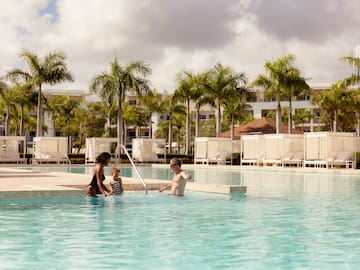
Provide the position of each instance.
(179, 180)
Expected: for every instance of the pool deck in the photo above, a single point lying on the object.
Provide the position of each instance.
(22, 184)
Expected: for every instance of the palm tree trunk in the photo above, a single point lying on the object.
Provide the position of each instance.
(278, 119)
(170, 133)
(150, 128)
(218, 119)
(232, 127)
(290, 116)
(197, 123)
(120, 129)
(22, 126)
(7, 121)
(39, 114)
(187, 143)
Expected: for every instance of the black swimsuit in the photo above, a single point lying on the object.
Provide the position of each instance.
(94, 183)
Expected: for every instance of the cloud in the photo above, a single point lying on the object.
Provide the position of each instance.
(313, 21)
(175, 35)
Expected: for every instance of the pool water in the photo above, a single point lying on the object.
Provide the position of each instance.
(291, 227)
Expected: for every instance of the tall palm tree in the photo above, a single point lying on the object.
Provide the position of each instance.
(171, 106)
(185, 92)
(151, 104)
(121, 80)
(51, 70)
(23, 97)
(7, 100)
(296, 86)
(220, 83)
(200, 98)
(276, 81)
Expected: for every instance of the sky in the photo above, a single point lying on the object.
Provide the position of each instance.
(172, 36)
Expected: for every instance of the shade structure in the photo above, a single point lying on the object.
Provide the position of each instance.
(329, 149)
(11, 147)
(214, 150)
(283, 149)
(50, 150)
(147, 150)
(252, 148)
(96, 145)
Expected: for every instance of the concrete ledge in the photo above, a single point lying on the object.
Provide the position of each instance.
(12, 195)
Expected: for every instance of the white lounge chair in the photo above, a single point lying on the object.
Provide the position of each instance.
(220, 157)
(342, 159)
(294, 158)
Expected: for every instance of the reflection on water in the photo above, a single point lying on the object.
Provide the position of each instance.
(295, 182)
(256, 180)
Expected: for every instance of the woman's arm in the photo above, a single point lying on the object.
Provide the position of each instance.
(165, 187)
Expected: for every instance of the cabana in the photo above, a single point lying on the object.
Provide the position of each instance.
(10, 149)
(50, 150)
(283, 149)
(94, 146)
(214, 150)
(147, 150)
(330, 149)
(252, 148)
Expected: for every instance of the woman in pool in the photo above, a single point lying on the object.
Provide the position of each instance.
(97, 185)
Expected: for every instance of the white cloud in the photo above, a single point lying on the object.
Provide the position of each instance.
(175, 35)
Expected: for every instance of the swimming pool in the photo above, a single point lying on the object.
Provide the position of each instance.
(287, 221)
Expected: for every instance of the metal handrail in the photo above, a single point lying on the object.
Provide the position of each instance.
(136, 170)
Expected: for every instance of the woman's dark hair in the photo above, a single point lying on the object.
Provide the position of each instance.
(103, 157)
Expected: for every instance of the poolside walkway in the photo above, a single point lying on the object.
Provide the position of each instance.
(18, 183)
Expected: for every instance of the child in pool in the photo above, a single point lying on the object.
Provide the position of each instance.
(116, 183)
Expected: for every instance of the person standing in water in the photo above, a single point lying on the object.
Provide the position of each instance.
(97, 185)
(179, 180)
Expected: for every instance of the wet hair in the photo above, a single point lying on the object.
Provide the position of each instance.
(175, 161)
(103, 157)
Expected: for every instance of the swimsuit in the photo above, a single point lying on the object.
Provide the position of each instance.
(94, 183)
(116, 187)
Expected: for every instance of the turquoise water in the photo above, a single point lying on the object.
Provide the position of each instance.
(286, 221)
(204, 175)
(274, 230)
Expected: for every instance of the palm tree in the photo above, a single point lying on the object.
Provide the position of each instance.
(296, 86)
(353, 61)
(151, 104)
(121, 80)
(185, 92)
(276, 81)
(302, 116)
(171, 106)
(50, 70)
(221, 82)
(23, 97)
(7, 101)
(338, 107)
(234, 109)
